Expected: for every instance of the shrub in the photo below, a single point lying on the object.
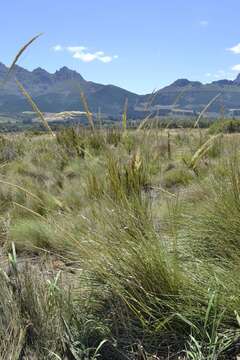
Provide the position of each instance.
(72, 142)
(30, 319)
(11, 149)
(126, 180)
(113, 136)
(225, 126)
(213, 229)
(96, 141)
(32, 235)
(177, 177)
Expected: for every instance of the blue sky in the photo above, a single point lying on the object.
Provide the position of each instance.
(139, 45)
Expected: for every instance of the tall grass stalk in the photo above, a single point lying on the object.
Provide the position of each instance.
(20, 52)
(34, 107)
(205, 109)
(86, 108)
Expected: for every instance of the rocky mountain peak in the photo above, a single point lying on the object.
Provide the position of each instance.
(185, 82)
(65, 73)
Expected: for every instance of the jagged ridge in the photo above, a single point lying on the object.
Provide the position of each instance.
(60, 92)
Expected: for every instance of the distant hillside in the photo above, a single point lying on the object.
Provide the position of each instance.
(193, 95)
(60, 92)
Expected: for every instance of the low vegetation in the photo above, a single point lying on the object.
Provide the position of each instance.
(120, 244)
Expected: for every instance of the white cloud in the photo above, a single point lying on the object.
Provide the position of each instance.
(106, 59)
(236, 67)
(74, 49)
(57, 48)
(82, 53)
(86, 57)
(203, 23)
(221, 74)
(235, 49)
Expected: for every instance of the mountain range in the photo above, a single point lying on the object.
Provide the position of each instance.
(60, 91)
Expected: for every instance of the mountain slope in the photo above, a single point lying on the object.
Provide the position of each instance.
(194, 95)
(61, 91)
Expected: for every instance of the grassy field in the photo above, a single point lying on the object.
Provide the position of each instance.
(120, 244)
